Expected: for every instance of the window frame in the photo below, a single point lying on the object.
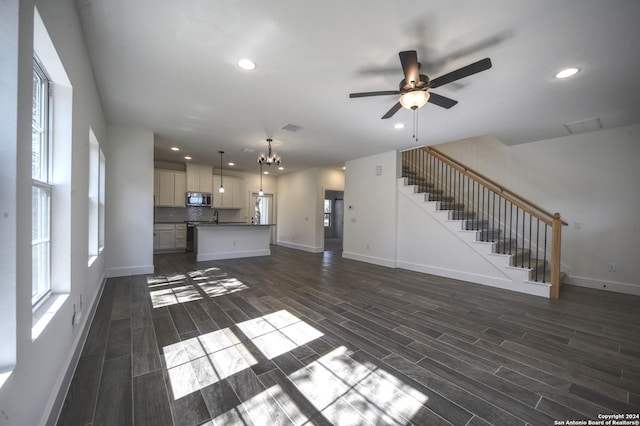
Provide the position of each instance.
(328, 210)
(42, 182)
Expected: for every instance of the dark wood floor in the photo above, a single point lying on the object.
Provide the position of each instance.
(303, 338)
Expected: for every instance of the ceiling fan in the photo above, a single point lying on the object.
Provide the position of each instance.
(414, 89)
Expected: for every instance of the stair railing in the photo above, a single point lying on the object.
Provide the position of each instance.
(514, 224)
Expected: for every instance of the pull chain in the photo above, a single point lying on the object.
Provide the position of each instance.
(415, 124)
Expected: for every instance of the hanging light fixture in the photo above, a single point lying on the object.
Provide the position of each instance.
(221, 189)
(261, 192)
(414, 99)
(270, 158)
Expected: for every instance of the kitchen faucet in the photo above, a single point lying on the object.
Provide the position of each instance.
(215, 217)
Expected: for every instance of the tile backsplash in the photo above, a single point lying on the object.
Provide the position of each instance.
(182, 214)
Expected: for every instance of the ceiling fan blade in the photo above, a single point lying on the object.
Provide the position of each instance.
(441, 101)
(474, 68)
(392, 111)
(410, 66)
(364, 94)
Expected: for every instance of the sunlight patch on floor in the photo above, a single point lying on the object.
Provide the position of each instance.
(221, 287)
(204, 360)
(277, 333)
(349, 392)
(166, 290)
(172, 296)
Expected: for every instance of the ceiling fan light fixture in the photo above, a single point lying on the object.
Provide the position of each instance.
(567, 72)
(247, 64)
(414, 99)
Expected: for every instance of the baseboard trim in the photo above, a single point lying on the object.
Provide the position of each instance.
(389, 263)
(232, 255)
(56, 408)
(302, 247)
(616, 287)
(534, 289)
(129, 270)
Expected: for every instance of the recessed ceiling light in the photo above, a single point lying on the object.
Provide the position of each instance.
(344, 167)
(399, 126)
(280, 168)
(567, 72)
(187, 158)
(266, 173)
(231, 164)
(175, 148)
(247, 64)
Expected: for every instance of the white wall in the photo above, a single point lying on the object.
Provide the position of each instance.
(43, 366)
(590, 179)
(301, 207)
(129, 202)
(370, 209)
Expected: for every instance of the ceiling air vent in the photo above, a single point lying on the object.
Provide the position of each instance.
(291, 128)
(584, 126)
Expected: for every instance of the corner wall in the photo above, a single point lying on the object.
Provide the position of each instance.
(301, 207)
(129, 202)
(370, 209)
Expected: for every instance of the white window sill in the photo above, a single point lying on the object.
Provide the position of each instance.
(92, 259)
(4, 377)
(44, 312)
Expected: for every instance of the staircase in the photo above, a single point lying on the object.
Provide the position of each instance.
(509, 231)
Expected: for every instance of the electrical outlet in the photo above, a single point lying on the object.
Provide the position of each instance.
(611, 267)
(577, 225)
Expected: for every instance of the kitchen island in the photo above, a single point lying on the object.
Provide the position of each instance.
(231, 241)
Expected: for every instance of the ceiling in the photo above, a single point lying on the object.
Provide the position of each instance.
(171, 67)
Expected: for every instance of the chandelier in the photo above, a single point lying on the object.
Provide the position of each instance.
(270, 158)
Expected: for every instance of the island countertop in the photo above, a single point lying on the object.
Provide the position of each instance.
(231, 240)
(229, 224)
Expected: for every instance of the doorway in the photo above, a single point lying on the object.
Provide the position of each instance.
(263, 212)
(333, 220)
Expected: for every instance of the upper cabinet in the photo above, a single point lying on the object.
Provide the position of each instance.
(199, 178)
(169, 188)
(233, 195)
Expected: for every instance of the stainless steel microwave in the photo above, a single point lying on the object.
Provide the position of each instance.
(200, 199)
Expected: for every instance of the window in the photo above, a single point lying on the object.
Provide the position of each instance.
(327, 213)
(101, 190)
(41, 184)
(96, 197)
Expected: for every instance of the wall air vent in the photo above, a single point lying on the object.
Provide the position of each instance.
(291, 128)
(584, 126)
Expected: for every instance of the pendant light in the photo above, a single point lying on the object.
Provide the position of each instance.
(261, 192)
(221, 189)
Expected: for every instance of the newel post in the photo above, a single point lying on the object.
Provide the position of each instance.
(556, 237)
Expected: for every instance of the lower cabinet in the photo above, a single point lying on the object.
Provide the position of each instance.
(169, 237)
(181, 236)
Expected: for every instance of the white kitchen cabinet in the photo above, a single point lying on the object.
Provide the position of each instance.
(169, 188)
(199, 178)
(181, 236)
(232, 198)
(164, 236)
(169, 237)
(179, 194)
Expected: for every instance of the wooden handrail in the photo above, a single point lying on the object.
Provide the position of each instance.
(532, 209)
(523, 203)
